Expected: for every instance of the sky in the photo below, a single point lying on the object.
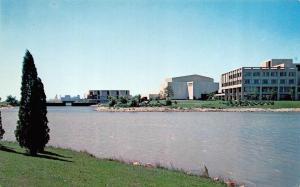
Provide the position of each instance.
(80, 45)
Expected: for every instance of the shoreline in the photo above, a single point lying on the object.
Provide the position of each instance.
(76, 158)
(168, 109)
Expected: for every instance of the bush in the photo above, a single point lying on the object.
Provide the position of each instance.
(133, 103)
(168, 102)
(123, 100)
(112, 102)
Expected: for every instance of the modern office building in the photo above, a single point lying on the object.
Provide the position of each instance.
(190, 87)
(276, 79)
(69, 98)
(102, 96)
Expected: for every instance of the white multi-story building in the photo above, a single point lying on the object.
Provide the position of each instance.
(190, 87)
(102, 96)
(69, 98)
(276, 79)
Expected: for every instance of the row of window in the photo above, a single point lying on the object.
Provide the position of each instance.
(235, 75)
(269, 89)
(268, 74)
(267, 81)
(232, 83)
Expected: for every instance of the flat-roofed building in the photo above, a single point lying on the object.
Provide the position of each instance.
(189, 87)
(102, 96)
(275, 79)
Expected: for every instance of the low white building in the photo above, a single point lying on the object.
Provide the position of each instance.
(102, 96)
(69, 98)
(190, 87)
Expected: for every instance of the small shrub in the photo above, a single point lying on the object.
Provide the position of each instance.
(133, 103)
(168, 102)
(123, 100)
(112, 102)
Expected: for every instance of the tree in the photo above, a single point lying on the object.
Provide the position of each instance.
(291, 93)
(273, 94)
(168, 91)
(11, 100)
(32, 131)
(1, 128)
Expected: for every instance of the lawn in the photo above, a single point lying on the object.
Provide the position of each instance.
(222, 104)
(61, 167)
(200, 104)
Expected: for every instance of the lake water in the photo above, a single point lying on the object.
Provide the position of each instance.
(259, 149)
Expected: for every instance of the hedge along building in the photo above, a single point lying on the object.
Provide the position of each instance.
(276, 79)
(189, 87)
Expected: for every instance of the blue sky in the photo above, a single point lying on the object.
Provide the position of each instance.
(80, 45)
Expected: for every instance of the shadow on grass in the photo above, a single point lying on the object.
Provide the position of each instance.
(43, 155)
(54, 154)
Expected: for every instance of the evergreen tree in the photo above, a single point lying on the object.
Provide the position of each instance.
(32, 131)
(1, 128)
(168, 91)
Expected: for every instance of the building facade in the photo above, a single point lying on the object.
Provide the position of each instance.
(190, 87)
(69, 98)
(102, 96)
(275, 79)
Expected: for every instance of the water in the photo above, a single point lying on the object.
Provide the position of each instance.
(259, 149)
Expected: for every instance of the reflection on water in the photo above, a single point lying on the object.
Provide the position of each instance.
(261, 149)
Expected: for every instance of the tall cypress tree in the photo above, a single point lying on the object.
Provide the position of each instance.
(32, 131)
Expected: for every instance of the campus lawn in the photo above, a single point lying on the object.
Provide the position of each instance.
(222, 104)
(62, 167)
(283, 104)
(200, 104)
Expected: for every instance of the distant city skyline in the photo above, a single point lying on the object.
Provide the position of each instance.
(83, 45)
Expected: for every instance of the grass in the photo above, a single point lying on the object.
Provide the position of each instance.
(222, 104)
(200, 104)
(62, 167)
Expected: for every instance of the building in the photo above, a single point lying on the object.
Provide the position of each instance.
(189, 87)
(102, 96)
(276, 79)
(153, 96)
(69, 98)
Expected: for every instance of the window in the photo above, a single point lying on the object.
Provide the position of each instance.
(273, 81)
(266, 74)
(281, 89)
(282, 74)
(273, 74)
(256, 81)
(282, 81)
(256, 74)
(265, 81)
(247, 89)
(292, 74)
(248, 74)
(291, 81)
(247, 81)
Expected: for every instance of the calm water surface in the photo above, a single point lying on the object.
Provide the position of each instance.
(259, 149)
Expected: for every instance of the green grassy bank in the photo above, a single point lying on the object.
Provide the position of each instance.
(224, 104)
(62, 167)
